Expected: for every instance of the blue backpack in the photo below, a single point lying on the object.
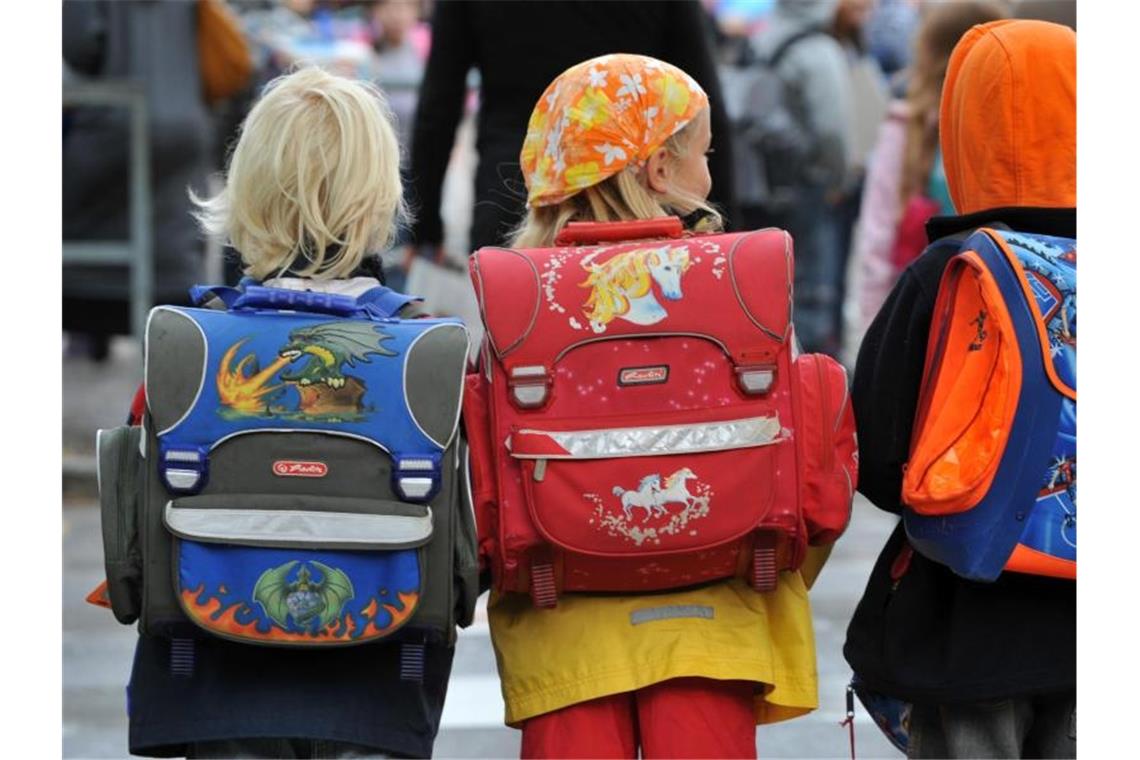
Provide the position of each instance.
(991, 484)
(300, 478)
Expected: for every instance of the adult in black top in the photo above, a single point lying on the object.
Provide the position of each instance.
(519, 47)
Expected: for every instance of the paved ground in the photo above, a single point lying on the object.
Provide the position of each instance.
(97, 651)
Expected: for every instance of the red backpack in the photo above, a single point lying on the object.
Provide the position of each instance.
(639, 419)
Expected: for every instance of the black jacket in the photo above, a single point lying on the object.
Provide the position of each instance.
(920, 632)
(519, 48)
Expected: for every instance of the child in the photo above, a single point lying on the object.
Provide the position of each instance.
(625, 137)
(989, 667)
(312, 193)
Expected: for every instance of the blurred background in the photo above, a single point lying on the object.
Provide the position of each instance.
(824, 123)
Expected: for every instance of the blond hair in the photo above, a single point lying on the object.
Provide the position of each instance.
(618, 198)
(314, 178)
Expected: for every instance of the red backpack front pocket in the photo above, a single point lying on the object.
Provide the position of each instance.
(607, 492)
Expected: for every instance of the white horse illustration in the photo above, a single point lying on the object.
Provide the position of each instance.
(643, 497)
(622, 287)
(676, 490)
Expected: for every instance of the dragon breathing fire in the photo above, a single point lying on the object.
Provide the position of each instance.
(329, 347)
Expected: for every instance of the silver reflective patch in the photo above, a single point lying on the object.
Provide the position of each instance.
(669, 439)
(297, 526)
(670, 612)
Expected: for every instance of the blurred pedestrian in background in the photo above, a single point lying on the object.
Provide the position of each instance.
(869, 98)
(155, 44)
(813, 75)
(518, 49)
(889, 31)
(906, 184)
(397, 62)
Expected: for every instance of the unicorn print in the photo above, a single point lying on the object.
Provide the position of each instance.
(622, 287)
(676, 490)
(651, 497)
(644, 497)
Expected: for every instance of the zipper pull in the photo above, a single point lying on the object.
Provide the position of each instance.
(849, 721)
(539, 470)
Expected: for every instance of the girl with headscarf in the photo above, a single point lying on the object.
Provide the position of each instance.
(686, 673)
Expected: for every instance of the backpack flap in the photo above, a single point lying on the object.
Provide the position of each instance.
(540, 304)
(828, 452)
(986, 416)
(214, 375)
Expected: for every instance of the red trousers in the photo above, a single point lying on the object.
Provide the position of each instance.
(682, 717)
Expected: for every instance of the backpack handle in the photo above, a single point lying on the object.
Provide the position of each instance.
(379, 302)
(260, 297)
(579, 233)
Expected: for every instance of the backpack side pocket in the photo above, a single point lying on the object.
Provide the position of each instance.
(970, 390)
(830, 461)
(119, 470)
(481, 473)
(466, 547)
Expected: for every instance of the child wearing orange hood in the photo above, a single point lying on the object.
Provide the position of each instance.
(989, 668)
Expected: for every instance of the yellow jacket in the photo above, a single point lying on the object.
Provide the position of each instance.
(591, 646)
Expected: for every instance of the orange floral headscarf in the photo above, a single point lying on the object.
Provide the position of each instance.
(600, 116)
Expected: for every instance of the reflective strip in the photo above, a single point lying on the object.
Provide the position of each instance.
(652, 441)
(670, 612)
(279, 526)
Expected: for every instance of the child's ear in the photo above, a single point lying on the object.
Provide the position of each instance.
(657, 171)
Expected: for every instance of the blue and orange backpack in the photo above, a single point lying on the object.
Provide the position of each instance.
(991, 484)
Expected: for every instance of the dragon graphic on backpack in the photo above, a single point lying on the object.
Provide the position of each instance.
(991, 484)
(640, 419)
(298, 477)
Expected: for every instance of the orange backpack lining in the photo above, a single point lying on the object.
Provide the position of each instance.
(958, 450)
(1026, 560)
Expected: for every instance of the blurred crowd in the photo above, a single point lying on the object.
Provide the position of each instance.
(825, 123)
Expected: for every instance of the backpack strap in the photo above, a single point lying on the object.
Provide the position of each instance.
(773, 60)
(385, 301)
(220, 297)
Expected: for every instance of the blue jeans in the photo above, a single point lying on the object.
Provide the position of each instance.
(1041, 726)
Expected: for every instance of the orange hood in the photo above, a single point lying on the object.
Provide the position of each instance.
(1009, 117)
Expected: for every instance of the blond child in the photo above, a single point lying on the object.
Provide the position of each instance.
(312, 194)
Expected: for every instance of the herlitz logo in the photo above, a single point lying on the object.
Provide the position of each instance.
(644, 375)
(287, 468)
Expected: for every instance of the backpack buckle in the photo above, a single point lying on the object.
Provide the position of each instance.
(184, 469)
(417, 477)
(756, 379)
(529, 386)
